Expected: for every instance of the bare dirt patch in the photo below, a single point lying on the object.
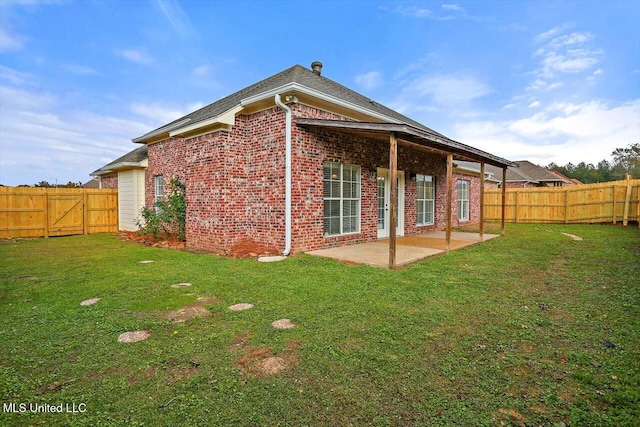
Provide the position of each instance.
(260, 361)
(192, 311)
(188, 313)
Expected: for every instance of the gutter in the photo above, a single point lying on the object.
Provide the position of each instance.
(287, 186)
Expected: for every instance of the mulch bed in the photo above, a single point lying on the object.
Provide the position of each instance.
(245, 248)
(167, 241)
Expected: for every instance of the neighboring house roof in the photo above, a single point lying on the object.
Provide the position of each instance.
(92, 183)
(566, 179)
(475, 169)
(305, 85)
(526, 172)
(133, 159)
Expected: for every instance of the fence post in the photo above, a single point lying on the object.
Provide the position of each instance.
(566, 206)
(515, 209)
(85, 211)
(615, 203)
(627, 200)
(45, 196)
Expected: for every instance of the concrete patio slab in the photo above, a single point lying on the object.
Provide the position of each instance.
(408, 249)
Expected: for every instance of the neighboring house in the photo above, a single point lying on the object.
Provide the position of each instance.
(299, 162)
(526, 175)
(92, 183)
(566, 181)
(127, 174)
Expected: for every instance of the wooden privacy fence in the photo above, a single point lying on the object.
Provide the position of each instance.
(592, 203)
(44, 212)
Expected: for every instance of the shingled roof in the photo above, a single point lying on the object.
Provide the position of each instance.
(526, 172)
(295, 75)
(131, 159)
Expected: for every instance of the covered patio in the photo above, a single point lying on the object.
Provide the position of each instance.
(408, 249)
(413, 139)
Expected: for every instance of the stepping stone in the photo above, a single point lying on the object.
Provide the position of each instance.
(180, 285)
(90, 301)
(283, 324)
(134, 336)
(275, 258)
(240, 307)
(147, 261)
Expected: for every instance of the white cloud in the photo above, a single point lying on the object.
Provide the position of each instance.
(563, 54)
(176, 16)
(15, 77)
(447, 89)
(560, 133)
(454, 7)
(79, 70)
(137, 56)
(534, 104)
(160, 114)
(10, 42)
(370, 80)
(40, 139)
(202, 70)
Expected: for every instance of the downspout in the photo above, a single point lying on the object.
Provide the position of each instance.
(287, 185)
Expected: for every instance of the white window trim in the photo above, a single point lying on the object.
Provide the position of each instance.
(463, 214)
(341, 199)
(423, 201)
(156, 191)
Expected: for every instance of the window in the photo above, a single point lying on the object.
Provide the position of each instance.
(425, 199)
(463, 200)
(159, 189)
(341, 199)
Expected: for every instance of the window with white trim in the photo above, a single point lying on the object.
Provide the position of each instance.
(341, 199)
(463, 200)
(159, 190)
(425, 199)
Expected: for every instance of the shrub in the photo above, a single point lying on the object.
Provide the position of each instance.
(169, 215)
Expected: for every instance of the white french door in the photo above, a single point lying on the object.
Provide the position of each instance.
(384, 193)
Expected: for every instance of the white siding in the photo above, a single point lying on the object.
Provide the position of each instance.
(130, 197)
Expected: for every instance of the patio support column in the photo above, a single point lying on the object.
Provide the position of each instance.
(504, 200)
(393, 197)
(482, 201)
(449, 200)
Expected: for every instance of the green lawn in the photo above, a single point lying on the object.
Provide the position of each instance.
(533, 328)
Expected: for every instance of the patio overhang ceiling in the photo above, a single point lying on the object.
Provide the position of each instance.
(408, 136)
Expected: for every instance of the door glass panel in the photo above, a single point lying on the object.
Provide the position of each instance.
(381, 202)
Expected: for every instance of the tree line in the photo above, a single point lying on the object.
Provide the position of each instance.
(625, 161)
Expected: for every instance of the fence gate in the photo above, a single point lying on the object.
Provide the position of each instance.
(65, 213)
(44, 212)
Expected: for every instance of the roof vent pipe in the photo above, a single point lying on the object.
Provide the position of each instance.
(316, 67)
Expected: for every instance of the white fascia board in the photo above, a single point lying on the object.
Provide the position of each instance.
(227, 118)
(316, 94)
(141, 139)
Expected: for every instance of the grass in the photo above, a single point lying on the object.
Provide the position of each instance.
(529, 329)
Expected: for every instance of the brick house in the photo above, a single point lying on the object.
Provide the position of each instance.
(299, 162)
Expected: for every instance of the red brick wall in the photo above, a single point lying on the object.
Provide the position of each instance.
(235, 181)
(109, 181)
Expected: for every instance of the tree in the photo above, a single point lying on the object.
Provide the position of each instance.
(627, 160)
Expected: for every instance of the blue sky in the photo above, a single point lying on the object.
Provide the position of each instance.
(537, 80)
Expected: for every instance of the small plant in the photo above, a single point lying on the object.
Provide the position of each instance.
(169, 215)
